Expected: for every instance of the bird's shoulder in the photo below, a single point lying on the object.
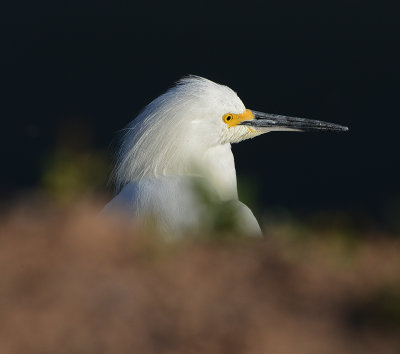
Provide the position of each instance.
(182, 203)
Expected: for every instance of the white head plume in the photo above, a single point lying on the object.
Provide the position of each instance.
(170, 132)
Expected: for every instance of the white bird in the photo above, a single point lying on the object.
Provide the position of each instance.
(181, 143)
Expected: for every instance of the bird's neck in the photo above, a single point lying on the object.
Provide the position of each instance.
(217, 166)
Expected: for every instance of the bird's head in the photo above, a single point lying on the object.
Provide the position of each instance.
(189, 118)
(218, 116)
(221, 108)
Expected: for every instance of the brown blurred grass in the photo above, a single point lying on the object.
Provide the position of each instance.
(72, 283)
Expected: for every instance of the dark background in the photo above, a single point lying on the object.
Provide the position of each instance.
(74, 76)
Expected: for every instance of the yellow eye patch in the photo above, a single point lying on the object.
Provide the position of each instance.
(232, 119)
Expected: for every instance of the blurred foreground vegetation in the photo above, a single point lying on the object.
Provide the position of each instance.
(73, 283)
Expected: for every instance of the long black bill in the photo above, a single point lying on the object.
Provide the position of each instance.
(270, 122)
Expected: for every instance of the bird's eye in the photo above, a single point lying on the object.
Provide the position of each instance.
(227, 118)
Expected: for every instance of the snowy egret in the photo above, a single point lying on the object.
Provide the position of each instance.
(183, 139)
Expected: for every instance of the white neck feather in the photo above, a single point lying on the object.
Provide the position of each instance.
(218, 167)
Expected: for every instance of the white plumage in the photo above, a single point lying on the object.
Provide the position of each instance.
(182, 140)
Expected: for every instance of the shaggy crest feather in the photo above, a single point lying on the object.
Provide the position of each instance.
(166, 137)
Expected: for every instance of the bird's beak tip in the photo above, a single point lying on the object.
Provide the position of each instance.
(340, 128)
